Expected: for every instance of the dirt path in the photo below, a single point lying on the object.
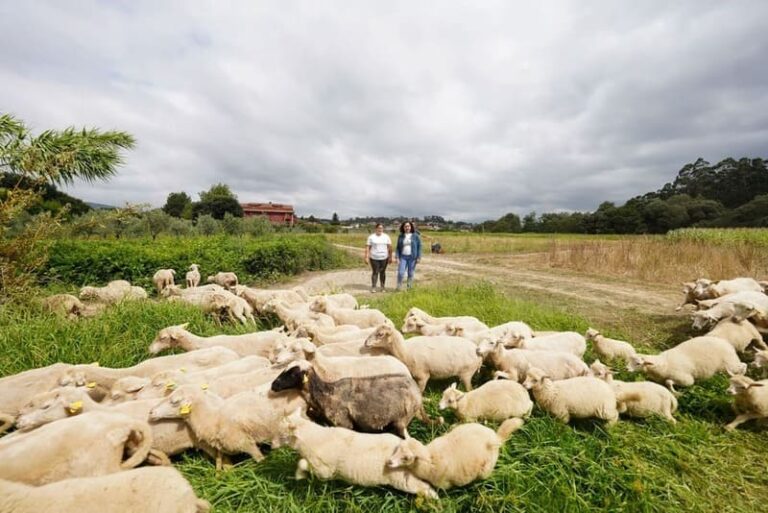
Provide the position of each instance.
(507, 272)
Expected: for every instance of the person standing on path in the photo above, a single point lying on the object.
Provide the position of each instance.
(378, 253)
(408, 253)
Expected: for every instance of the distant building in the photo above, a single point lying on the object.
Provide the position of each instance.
(277, 213)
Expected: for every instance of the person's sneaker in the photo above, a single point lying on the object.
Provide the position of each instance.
(373, 289)
(383, 289)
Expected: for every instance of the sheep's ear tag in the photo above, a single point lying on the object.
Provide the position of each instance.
(96, 364)
(204, 386)
(170, 385)
(305, 379)
(75, 407)
(185, 409)
(183, 369)
(90, 384)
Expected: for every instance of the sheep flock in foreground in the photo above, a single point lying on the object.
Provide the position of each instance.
(340, 385)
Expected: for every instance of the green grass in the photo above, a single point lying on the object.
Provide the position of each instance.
(643, 466)
(721, 236)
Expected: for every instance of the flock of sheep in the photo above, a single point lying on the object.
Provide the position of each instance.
(340, 385)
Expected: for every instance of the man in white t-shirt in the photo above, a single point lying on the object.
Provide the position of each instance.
(378, 253)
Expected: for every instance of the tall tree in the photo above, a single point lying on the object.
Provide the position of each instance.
(216, 202)
(176, 203)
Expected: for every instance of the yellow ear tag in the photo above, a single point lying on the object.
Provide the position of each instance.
(90, 384)
(95, 364)
(170, 385)
(185, 409)
(204, 386)
(75, 407)
(183, 369)
(305, 379)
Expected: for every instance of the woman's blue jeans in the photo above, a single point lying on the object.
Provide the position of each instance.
(406, 264)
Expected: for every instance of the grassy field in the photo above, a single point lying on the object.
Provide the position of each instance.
(643, 466)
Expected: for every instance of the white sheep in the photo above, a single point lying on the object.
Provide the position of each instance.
(581, 398)
(430, 357)
(516, 362)
(703, 318)
(566, 341)
(85, 445)
(155, 489)
(750, 400)
(257, 298)
(466, 453)
(469, 323)
(338, 334)
(340, 453)
(295, 315)
(366, 318)
(495, 400)
(227, 280)
(193, 276)
(163, 278)
(18, 389)
(695, 359)
(233, 425)
(64, 304)
(725, 287)
(235, 307)
(609, 348)
(739, 333)
(512, 330)
(653, 399)
(114, 292)
(259, 343)
(732, 304)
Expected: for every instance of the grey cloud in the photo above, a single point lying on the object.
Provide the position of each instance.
(397, 107)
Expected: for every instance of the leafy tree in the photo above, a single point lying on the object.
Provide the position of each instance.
(335, 219)
(216, 202)
(257, 226)
(218, 190)
(232, 225)
(180, 227)
(176, 203)
(207, 225)
(529, 222)
(157, 222)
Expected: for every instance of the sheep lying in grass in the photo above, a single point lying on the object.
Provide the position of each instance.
(430, 357)
(64, 304)
(113, 292)
(466, 453)
(609, 348)
(159, 490)
(495, 400)
(228, 280)
(695, 359)
(233, 425)
(193, 276)
(294, 316)
(18, 389)
(653, 399)
(583, 397)
(336, 335)
(750, 400)
(86, 445)
(724, 287)
(259, 343)
(339, 453)
(163, 278)
(168, 437)
(566, 341)
(366, 318)
(516, 362)
(739, 333)
(236, 308)
(468, 323)
(258, 298)
(731, 304)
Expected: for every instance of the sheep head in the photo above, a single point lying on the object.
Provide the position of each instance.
(193, 267)
(761, 359)
(412, 325)
(179, 404)
(640, 362)
(320, 304)
(702, 319)
(487, 346)
(289, 350)
(740, 384)
(89, 293)
(600, 370)
(294, 377)
(591, 333)
(451, 396)
(127, 387)
(168, 337)
(535, 378)
(381, 337)
(405, 454)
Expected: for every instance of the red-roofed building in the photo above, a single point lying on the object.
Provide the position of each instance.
(277, 213)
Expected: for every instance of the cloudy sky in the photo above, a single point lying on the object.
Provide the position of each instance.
(463, 109)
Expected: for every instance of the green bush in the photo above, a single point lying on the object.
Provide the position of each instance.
(81, 262)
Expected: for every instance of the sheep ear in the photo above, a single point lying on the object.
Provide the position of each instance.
(647, 364)
(308, 347)
(453, 385)
(183, 326)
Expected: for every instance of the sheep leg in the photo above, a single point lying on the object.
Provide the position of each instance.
(412, 484)
(741, 419)
(466, 379)
(302, 469)
(6, 421)
(158, 458)
(255, 452)
(671, 385)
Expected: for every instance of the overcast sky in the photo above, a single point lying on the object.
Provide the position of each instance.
(463, 109)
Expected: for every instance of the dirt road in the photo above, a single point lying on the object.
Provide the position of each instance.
(516, 272)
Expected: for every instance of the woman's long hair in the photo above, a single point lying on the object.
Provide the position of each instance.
(402, 227)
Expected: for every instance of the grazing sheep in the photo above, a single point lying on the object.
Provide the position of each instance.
(750, 400)
(258, 343)
(351, 348)
(756, 303)
(581, 398)
(609, 348)
(85, 445)
(466, 453)
(566, 341)
(374, 403)
(739, 333)
(18, 389)
(163, 278)
(114, 292)
(516, 362)
(654, 399)
(175, 290)
(258, 298)
(339, 453)
(704, 318)
(694, 359)
(470, 324)
(430, 357)
(64, 304)
(228, 280)
(232, 425)
(168, 437)
(158, 489)
(366, 318)
(193, 276)
(512, 330)
(296, 315)
(495, 400)
(327, 336)
(236, 308)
